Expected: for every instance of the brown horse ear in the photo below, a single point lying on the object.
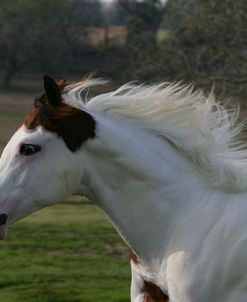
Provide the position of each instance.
(52, 91)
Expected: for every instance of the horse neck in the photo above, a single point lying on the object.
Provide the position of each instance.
(140, 181)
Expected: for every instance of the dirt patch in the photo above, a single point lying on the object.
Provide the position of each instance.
(16, 102)
(13, 108)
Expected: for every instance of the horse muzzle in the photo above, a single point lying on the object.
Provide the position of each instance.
(3, 226)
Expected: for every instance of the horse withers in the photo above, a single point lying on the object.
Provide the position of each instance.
(162, 161)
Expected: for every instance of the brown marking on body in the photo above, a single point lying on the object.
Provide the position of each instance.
(74, 126)
(152, 292)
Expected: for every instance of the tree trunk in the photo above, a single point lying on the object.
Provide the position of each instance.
(9, 74)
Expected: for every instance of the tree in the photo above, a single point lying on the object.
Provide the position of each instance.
(35, 34)
(209, 44)
(90, 11)
(114, 14)
(136, 59)
(144, 18)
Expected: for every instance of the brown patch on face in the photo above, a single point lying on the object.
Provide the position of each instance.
(74, 126)
(153, 293)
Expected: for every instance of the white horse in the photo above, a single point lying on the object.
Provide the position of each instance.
(165, 165)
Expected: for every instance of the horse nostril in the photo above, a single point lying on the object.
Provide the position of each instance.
(3, 219)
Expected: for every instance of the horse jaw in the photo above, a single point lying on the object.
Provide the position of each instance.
(29, 183)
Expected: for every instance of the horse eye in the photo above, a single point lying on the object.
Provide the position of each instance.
(29, 149)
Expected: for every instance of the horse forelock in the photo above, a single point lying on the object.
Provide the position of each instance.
(74, 126)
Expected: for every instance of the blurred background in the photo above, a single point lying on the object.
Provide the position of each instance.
(204, 41)
(70, 252)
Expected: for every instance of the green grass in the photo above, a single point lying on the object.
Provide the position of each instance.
(66, 253)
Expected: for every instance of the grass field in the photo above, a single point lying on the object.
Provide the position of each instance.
(66, 253)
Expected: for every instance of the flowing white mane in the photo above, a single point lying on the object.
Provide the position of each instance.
(196, 124)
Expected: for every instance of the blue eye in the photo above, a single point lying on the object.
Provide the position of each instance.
(29, 149)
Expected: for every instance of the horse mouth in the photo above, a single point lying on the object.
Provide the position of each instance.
(3, 226)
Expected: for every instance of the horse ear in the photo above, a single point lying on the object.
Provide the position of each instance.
(52, 91)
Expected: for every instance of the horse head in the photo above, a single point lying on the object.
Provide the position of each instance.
(39, 166)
